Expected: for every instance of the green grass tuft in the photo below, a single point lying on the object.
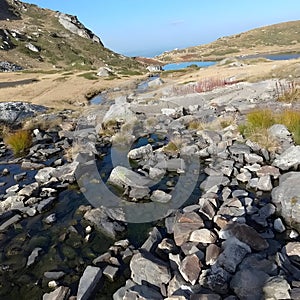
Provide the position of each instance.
(19, 141)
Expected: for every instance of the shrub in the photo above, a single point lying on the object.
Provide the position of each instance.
(259, 121)
(19, 141)
(287, 92)
(260, 118)
(89, 76)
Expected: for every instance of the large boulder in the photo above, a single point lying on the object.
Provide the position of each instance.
(16, 112)
(286, 197)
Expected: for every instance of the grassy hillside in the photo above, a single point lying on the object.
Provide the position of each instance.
(278, 38)
(22, 24)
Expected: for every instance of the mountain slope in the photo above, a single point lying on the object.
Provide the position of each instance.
(277, 38)
(33, 37)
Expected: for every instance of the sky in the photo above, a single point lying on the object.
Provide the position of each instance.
(148, 28)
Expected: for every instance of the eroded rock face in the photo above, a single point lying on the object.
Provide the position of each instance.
(286, 197)
(72, 24)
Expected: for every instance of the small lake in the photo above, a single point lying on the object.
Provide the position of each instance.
(286, 56)
(182, 65)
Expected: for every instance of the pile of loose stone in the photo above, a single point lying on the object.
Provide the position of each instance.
(239, 240)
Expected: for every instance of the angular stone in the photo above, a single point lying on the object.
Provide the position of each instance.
(214, 181)
(123, 177)
(190, 268)
(293, 249)
(212, 254)
(279, 226)
(248, 284)
(16, 218)
(233, 253)
(160, 196)
(245, 234)
(142, 153)
(61, 293)
(147, 268)
(152, 241)
(29, 189)
(44, 175)
(286, 197)
(110, 272)
(54, 275)
(184, 225)
(276, 288)
(87, 284)
(264, 183)
(268, 170)
(290, 158)
(203, 235)
(253, 158)
(33, 256)
(27, 165)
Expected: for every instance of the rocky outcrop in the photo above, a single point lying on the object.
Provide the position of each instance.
(16, 112)
(72, 24)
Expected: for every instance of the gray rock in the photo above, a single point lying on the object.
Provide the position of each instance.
(216, 279)
(61, 293)
(33, 256)
(248, 284)
(282, 135)
(27, 165)
(44, 175)
(87, 284)
(142, 153)
(245, 234)
(190, 268)
(214, 181)
(120, 112)
(264, 183)
(103, 222)
(110, 272)
(147, 268)
(184, 225)
(66, 173)
(16, 218)
(160, 196)
(54, 275)
(123, 177)
(45, 204)
(72, 24)
(276, 288)
(120, 293)
(259, 263)
(286, 197)
(233, 253)
(265, 212)
(16, 112)
(20, 176)
(152, 241)
(29, 190)
(104, 72)
(142, 292)
(268, 170)
(203, 235)
(279, 226)
(212, 254)
(290, 158)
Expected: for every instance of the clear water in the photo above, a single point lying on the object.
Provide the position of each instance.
(183, 65)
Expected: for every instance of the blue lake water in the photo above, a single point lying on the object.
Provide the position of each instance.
(182, 65)
(286, 56)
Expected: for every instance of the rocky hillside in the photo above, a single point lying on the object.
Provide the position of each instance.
(33, 37)
(278, 38)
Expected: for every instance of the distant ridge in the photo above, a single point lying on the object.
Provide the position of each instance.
(33, 37)
(277, 38)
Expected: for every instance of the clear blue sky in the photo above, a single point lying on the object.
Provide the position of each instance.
(147, 28)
